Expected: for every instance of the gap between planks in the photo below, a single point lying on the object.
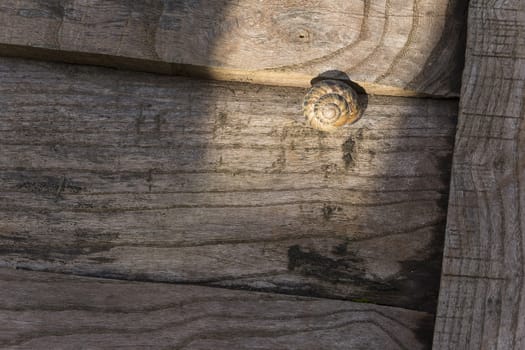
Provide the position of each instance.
(284, 79)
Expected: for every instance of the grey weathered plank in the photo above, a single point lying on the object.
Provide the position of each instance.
(391, 46)
(41, 310)
(141, 176)
(482, 302)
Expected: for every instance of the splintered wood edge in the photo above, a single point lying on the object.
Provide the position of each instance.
(261, 77)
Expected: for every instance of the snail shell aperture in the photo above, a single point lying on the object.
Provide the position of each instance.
(330, 104)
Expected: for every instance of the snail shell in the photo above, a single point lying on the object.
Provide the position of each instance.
(330, 104)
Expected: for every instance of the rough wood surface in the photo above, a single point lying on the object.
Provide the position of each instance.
(41, 310)
(391, 46)
(141, 176)
(482, 301)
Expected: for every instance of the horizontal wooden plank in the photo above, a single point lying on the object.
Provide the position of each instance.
(394, 47)
(41, 310)
(482, 303)
(141, 176)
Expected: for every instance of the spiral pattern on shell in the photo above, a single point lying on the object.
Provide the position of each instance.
(330, 104)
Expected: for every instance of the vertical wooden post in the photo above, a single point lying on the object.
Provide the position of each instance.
(482, 299)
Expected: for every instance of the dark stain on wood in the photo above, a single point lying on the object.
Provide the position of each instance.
(311, 263)
(425, 332)
(330, 210)
(345, 269)
(50, 185)
(341, 266)
(444, 161)
(47, 9)
(348, 152)
(82, 243)
(341, 249)
(423, 272)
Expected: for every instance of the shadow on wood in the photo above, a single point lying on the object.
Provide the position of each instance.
(404, 48)
(149, 177)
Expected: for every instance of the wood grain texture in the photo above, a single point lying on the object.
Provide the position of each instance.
(482, 301)
(41, 310)
(141, 176)
(395, 47)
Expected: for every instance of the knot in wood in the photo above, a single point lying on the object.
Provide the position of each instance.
(330, 104)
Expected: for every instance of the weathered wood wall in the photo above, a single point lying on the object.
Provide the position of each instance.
(49, 311)
(482, 303)
(148, 177)
(395, 47)
(141, 176)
